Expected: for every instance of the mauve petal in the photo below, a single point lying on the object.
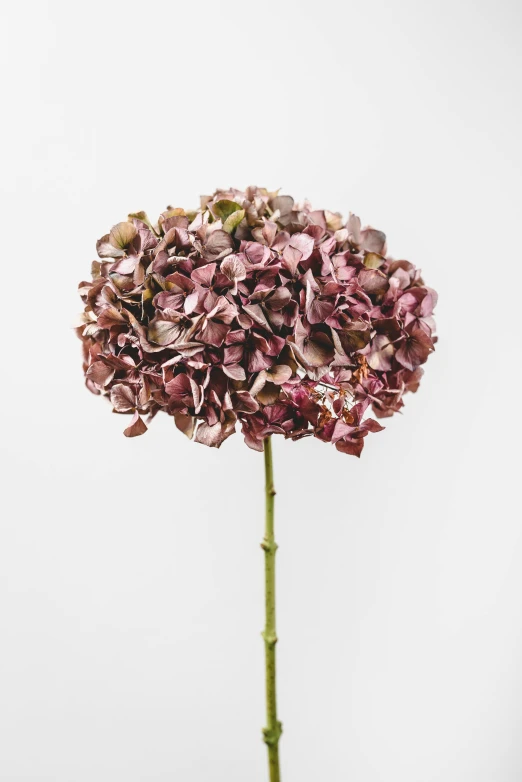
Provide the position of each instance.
(179, 283)
(278, 299)
(218, 245)
(257, 361)
(373, 281)
(352, 447)
(412, 379)
(235, 337)
(234, 371)
(341, 429)
(111, 317)
(244, 402)
(381, 354)
(213, 436)
(304, 243)
(166, 300)
(319, 310)
(178, 387)
(136, 427)
(353, 226)
(372, 426)
(373, 241)
(204, 275)
(291, 258)
(233, 268)
(318, 350)
(283, 203)
(191, 302)
(125, 265)
(415, 348)
(100, 373)
(164, 332)
(213, 333)
(123, 398)
(255, 312)
(389, 326)
(256, 253)
(224, 311)
(234, 353)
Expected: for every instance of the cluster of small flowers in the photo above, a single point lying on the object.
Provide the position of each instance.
(254, 310)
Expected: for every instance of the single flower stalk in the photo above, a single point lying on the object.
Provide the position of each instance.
(257, 312)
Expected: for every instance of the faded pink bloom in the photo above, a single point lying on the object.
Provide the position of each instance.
(254, 310)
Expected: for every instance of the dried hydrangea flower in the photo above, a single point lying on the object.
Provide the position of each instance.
(255, 311)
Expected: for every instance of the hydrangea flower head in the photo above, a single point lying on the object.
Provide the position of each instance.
(255, 312)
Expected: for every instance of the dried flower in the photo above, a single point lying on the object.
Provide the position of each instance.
(254, 310)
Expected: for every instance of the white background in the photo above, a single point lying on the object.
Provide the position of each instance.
(130, 570)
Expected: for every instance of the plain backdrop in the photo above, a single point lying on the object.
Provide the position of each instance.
(131, 578)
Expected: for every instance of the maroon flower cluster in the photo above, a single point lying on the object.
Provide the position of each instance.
(254, 310)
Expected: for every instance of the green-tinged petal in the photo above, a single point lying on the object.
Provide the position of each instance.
(233, 220)
(223, 209)
(122, 234)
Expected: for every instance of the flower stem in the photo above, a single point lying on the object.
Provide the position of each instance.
(272, 732)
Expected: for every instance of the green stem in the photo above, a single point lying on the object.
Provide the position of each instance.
(272, 732)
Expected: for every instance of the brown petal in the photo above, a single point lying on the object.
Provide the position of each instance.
(318, 350)
(373, 241)
(136, 427)
(106, 250)
(212, 436)
(219, 244)
(283, 203)
(382, 352)
(373, 281)
(279, 373)
(163, 332)
(100, 373)
(354, 336)
(185, 423)
(123, 398)
(122, 234)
